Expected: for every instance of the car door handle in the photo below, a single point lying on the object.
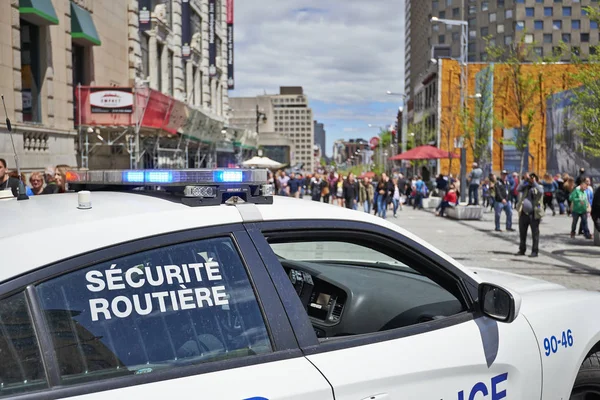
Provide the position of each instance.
(380, 396)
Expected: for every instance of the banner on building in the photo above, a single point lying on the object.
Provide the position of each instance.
(144, 15)
(111, 100)
(212, 38)
(230, 76)
(186, 34)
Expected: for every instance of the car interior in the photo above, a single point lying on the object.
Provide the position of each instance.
(346, 296)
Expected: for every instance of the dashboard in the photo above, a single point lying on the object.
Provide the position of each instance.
(347, 298)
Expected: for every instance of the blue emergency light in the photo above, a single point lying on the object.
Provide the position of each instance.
(218, 185)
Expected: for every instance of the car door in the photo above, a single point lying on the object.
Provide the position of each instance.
(408, 327)
(190, 312)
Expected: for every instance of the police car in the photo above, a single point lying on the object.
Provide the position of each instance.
(147, 284)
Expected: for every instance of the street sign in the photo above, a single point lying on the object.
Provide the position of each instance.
(374, 142)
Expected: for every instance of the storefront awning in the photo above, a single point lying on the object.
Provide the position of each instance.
(38, 12)
(83, 30)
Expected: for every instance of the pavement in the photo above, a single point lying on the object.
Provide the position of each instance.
(574, 263)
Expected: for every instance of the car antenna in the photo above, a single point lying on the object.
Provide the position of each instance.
(21, 193)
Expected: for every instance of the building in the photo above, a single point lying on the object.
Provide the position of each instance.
(103, 84)
(554, 145)
(286, 131)
(258, 114)
(50, 47)
(320, 137)
(544, 23)
(294, 119)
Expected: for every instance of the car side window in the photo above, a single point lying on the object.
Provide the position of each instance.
(353, 288)
(21, 369)
(159, 309)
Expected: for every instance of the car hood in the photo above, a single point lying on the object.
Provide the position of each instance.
(518, 283)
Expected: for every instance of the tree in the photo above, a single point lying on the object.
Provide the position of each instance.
(586, 99)
(522, 84)
(481, 121)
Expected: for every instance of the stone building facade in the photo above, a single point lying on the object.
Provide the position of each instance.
(44, 54)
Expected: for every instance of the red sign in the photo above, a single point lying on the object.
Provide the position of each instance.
(374, 142)
(230, 11)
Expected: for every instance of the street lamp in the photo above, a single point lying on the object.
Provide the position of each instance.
(464, 49)
(259, 115)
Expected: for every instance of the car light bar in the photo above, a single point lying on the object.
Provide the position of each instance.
(175, 177)
(216, 184)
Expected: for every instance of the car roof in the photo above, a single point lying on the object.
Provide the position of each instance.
(47, 229)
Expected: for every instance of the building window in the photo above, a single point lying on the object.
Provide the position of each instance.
(585, 37)
(566, 37)
(557, 24)
(593, 25)
(576, 51)
(508, 14)
(145, 45)
(492, 17)
(538, 25)
(547, 38)
(441, 39)
(539, 51)
(566, 11)
(456, 12)
(484, 6)
(30, 72)
(529, 38)
(484, 31)
(508, 40)
(576, 24)
(529, 12)
(548, 11)
(160, 83)
(520, 25)
(500, 28)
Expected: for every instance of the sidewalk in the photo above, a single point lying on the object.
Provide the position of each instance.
(574, 263)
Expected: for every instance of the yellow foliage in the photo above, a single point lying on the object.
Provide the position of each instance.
(553, 78)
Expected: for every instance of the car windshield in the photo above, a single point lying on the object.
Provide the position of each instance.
(332, 251)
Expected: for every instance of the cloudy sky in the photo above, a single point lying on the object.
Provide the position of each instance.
(345, 53)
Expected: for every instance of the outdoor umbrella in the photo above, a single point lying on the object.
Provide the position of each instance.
(262, 162)
(424, 153)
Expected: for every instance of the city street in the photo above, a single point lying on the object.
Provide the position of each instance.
(574, 263)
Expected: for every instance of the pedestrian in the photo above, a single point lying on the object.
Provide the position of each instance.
(283, 179)
(450, 200)
(568, 188)
(350, 192)
(474, 183)
(530, 212)
(560, 196)
(550, 188)
(502, 202)
(6, 181)
(580, 207)
(37, 183)
(294, 186)
(396, 196)
(581, 177)
(316, 186)
(385, 192)
(420, 190)
(441, 183)
(514, 189)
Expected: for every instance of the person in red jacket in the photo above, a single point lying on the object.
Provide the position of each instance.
(450, 200)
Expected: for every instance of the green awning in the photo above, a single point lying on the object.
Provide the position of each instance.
(38, 12)
(83, 30)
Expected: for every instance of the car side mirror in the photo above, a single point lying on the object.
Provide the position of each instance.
(498, 303)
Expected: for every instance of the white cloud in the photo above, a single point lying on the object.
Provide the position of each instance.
(340, 51)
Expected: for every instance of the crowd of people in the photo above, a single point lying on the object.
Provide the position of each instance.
(528, 195)
(50, 181)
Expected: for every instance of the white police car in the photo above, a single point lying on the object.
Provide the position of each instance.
(209, 288)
